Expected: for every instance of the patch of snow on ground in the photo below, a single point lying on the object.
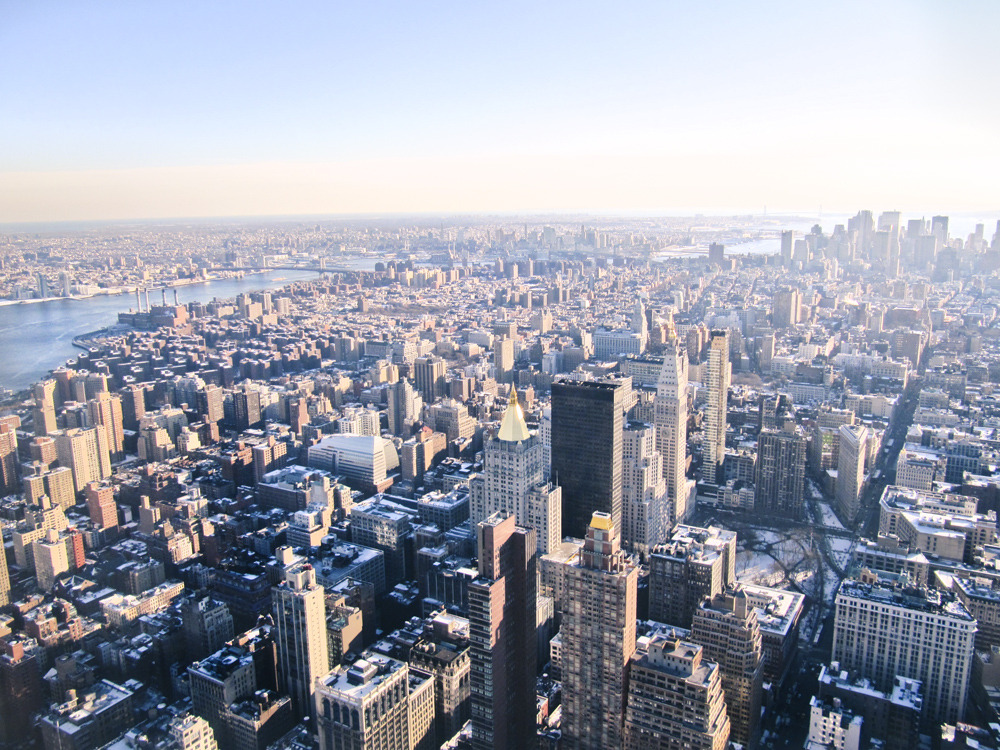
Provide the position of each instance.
(758, 567)
(841, 549)
(830, 519)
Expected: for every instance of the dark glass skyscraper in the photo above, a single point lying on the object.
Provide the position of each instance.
(587, 422)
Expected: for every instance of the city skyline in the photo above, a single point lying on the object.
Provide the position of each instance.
(185, 111)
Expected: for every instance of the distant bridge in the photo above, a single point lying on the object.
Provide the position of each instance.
(313, 268)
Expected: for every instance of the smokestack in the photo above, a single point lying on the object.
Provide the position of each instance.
(175, 297)
(138, 302)
(147, 300)
(163, 293)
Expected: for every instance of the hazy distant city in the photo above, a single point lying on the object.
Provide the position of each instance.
(564, 482)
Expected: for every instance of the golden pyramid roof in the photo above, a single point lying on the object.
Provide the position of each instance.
(513, 428)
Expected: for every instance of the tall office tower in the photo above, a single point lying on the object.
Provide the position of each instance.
(693, 564)
(45, 407)
(670, 410)
(405, 405)
(428, 375)
(211, 403)
(207, 626)
(780, 472)
(246, 405)
(639, 324)
(106, 410)
(675, 698)
(376, 703)
(716, 253)
(787, 244)
(862, 225)
(191, 732)
(714, 436)
(587, 421)
(101, 505)
(4, 579)
(645, 504)
(939, 228)
(502, 620)
(300, 625)
(545, 433)
(10, 480)
(133, 406)
(851, 470)
(785, 308)
(298, 414)
(598, 638)
(512, 468)
(727, 627)
(86, 453)
(503, 359)
(886, 628)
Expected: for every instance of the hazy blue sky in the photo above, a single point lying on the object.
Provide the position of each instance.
(144, 109)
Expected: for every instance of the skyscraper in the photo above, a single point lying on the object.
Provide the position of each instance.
(211, 403)
(106, 410)
(428, 375)
(714, 439)
(693, 564)
(503, 359)
(4, 579)
(246, 404)
(780, 472)
(645, 506)
(787, 243)
(587, 421)
(300, 625)
(675, 698)
(45, 407)
(9, 466)
(502, 635)
(883, 628)
(513, 466)
(671, 415)
(598, 638)
(851, 470)
(727, 627)
(134, 406)
(405, 405)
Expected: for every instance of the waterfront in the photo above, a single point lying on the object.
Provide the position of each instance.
(36, 338)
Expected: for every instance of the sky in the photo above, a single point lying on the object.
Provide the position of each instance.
(149, 109)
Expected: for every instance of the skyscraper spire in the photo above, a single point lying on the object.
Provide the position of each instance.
(513, 428)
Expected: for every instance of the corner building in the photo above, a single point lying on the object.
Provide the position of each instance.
(675, 698)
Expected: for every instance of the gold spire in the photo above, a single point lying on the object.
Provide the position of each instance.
(513, 428)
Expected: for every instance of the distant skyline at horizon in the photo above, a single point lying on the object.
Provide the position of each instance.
(165, 110)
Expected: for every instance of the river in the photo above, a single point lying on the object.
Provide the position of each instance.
(37, 337)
